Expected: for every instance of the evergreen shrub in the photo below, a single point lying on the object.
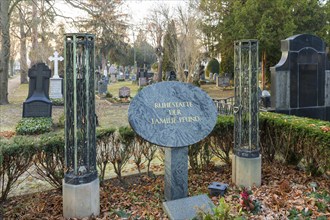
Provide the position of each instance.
(34, 125)
(213, 66)
(57, 101)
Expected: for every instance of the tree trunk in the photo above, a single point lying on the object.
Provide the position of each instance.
(23, 60)
(5, 51)
(160, 68)
(34, 56)
(263, 70)
(104, 64)
(159, 54)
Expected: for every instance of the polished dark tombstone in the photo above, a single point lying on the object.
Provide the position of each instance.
(301, 79)
(37, 103)
(174, 115)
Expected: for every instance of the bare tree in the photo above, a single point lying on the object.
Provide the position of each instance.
(106, 20)
(189, 52)
(20, 29)
(30, 23)
(41, 30)
(156, 27)
(23, 51)
(6, 8)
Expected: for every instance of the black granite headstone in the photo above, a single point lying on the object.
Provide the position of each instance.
(301, 79)
(37, 103)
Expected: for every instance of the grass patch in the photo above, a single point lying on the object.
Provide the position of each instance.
(113, 88)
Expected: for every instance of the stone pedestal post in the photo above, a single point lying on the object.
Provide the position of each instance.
(176, 173)
(55, 88)
(82, 200)
(246, 171)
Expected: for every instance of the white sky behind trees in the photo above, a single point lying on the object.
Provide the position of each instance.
(137, 10)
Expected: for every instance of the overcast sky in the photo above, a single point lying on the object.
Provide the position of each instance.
(137, 9)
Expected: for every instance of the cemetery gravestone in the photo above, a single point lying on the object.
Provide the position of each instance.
(223, 81)
(127, 75)
(113, 78)
(211, 76)
(113, 72)
(55, 91)
(215, 76)
(301, 79)
(103, 85)
(124, 92)
(97, 80)
(142, 81)
(173, 115)
(37, 103)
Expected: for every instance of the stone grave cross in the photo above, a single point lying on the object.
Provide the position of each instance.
(56, 58)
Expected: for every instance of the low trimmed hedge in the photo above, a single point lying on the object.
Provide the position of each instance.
(294, 139)
(16, 158)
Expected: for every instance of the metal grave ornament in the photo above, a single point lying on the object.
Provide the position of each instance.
(246, 159)
(81, 193)
(172, 114)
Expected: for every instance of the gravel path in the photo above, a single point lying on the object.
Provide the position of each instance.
(13, 84)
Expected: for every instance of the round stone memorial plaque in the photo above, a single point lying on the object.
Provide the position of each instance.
(172, 114)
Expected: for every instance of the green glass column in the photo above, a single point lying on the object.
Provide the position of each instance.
(80, 150)
(246, 109)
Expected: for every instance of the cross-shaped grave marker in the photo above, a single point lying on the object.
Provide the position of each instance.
(38, 74)
(56, 58)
